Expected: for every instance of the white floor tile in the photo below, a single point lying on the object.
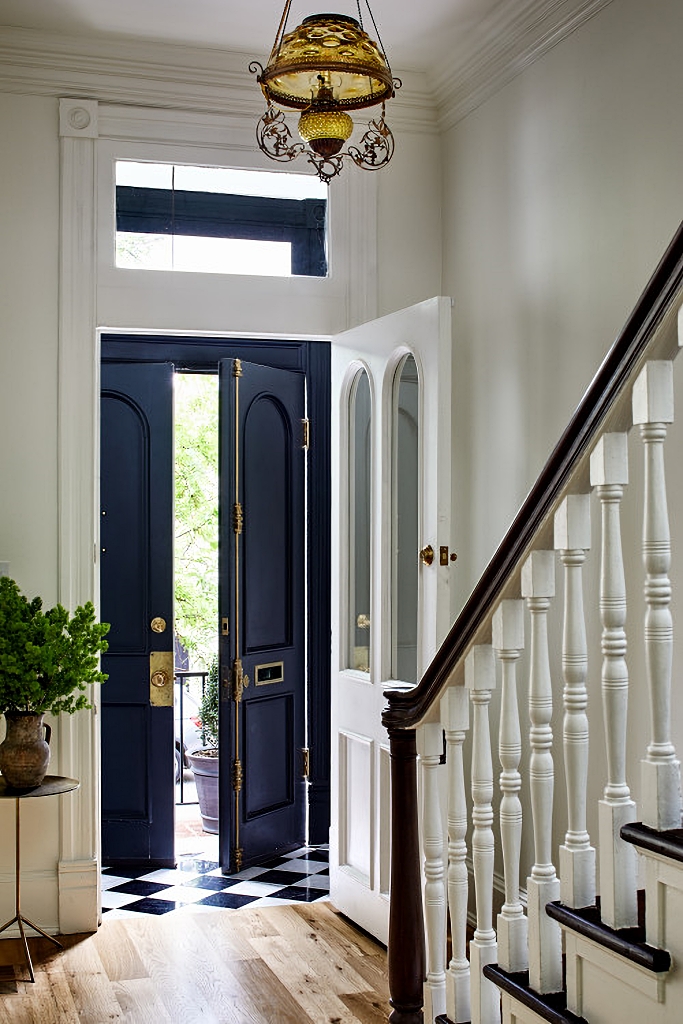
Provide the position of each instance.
(116, 900)
(254, 888)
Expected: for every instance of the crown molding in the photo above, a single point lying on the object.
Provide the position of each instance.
(500, 47)
(183, 78)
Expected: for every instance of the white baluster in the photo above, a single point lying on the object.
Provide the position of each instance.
(543, 886)
(455, 720)
(480, 680)
(577, 856)
(609, 474)
(508, 643)
(653, 409)
(430, 749)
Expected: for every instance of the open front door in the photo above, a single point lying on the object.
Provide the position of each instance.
(262, 618)
(136, 558)
(391, 437)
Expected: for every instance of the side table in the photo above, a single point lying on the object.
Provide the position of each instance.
(52, 785)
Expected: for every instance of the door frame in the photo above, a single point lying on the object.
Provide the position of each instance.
(312, 358)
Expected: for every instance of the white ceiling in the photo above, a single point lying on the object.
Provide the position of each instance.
(417, 34)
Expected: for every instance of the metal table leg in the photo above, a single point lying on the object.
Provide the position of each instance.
(18, 917)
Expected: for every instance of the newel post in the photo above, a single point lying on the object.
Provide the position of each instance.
(406, 926)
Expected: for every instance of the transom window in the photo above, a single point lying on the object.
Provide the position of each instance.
(219, 220)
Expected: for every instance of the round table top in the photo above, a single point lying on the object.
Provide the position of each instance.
(51, 785)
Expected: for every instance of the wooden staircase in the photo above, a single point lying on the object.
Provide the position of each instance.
(569, 926)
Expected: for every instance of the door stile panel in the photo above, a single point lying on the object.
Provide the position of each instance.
(422, 331)
(136, 586)
(262, 586)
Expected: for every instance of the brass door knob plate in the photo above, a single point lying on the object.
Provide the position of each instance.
(427, 555)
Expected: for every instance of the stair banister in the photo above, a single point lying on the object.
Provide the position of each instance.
(577, 856)
(407, 708)
(650, 333)
(653, 408)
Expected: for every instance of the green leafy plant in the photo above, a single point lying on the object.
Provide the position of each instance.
(208, 707)
(47, 659)
(196, 514)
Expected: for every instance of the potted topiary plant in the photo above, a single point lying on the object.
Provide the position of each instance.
(204, 761)
(47, 659)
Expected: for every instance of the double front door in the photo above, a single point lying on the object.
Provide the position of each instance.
(262, 599)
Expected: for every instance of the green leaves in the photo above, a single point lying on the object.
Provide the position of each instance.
(208, 706)
(196, 513)
(47, 659)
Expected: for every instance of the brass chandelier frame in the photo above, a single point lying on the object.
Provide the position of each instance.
(357, 68)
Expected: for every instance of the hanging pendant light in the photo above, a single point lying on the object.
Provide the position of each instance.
(326, 68)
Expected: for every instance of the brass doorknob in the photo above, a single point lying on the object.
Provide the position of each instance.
(159, 678)
(427, 555)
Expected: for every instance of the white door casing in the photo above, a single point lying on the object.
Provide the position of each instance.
(360, 792)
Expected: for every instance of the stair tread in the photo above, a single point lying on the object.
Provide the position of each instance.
(552, 1007)
(667, 844)
(628, 942)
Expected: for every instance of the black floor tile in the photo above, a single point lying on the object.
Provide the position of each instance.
(276, 877)
(127, 872)
(210, 882)
(299, 894)
(230, 900)
(136, 887)
(149, 906)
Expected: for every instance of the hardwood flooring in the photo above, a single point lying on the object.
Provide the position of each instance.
(299, 964)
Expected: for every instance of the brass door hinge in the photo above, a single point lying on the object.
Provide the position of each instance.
(237, 517)
(306, 428)
(307, 762)
(239, 680)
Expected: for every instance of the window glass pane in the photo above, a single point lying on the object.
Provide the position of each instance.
(220, 220)
(360, 476)
(405, 523)
(231, 256)
(144, 175)
(144, 252)
(249, 183)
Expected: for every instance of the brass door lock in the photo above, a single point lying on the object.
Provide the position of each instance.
(427, 555)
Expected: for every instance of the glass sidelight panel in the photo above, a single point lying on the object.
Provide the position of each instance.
(360, 476)
(405, 522)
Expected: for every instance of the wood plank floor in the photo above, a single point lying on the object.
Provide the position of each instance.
(299, 964)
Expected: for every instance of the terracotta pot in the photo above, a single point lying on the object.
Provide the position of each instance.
(205, 769)
(25, 751)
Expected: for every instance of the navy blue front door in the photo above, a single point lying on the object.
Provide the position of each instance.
(138, 789)
(262, 600)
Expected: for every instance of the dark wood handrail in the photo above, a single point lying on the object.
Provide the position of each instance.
(407, 708)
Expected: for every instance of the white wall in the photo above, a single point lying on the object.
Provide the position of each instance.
(560, 194)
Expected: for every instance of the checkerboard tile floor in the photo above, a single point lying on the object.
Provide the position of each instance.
(298, 877)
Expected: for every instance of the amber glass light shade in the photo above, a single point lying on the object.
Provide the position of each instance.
(326, 131)
(334, 45)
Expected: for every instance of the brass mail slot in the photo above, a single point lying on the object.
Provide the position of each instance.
(271, 673)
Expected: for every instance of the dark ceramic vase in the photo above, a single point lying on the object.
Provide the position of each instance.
(25, 751)
(205, 769)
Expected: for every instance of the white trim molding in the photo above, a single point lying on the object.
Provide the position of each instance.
(78, 431)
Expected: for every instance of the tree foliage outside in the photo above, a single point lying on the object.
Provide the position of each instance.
(196, 516)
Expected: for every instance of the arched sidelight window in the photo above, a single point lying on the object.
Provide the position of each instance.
(360, 476)
(405, 522)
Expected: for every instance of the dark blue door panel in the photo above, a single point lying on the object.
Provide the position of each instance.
(136, 584)
(262, 597)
